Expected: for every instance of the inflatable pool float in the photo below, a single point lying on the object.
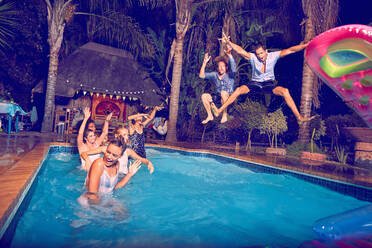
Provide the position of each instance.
(352, 224)
(342, 58)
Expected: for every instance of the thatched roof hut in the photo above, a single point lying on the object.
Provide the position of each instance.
(101, 69)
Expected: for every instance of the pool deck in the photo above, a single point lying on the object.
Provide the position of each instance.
(22, 154)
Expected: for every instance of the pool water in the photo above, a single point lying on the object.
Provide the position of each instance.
(187, 201)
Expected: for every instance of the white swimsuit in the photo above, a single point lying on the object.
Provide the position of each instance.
(123, 163)
(107, 183)
(91, 157)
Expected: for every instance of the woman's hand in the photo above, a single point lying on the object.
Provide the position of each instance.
(109, 116)
(86, 113)
(150, 167)
(134, 167)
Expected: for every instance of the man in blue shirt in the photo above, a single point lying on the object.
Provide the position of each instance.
(224, 82)
(263, 78)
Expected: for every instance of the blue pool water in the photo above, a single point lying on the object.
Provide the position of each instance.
(188, 201)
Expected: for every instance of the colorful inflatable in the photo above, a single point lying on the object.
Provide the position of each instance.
(354, 224)
(342, 58)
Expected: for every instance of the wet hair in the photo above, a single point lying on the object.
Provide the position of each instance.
(221, 59)
(86, 133)
(119, 142)
(257, 46)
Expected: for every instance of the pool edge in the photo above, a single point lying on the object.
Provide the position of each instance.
(16, 181)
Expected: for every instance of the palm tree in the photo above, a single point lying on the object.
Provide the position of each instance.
(183, 16)
(8, 22)
(320, 15)
(58, 15)
(114, 26)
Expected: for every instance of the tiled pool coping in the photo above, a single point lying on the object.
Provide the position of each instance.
(16, 181)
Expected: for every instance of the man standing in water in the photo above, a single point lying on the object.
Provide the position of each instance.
(224, 82)
(263, 78)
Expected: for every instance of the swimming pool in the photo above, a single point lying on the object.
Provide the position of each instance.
(192, 199)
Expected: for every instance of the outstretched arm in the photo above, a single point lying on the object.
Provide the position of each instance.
(231, 58)
(202, 69)
(105, 129)
(293, 49)
(133, 168)
(80, 141)
(151, 116)
(135, 156)
(135, 116)
(235, 47)
(84, 155)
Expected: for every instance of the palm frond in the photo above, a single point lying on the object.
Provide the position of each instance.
(8, 22)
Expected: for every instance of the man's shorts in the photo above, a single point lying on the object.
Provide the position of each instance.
(262, 87)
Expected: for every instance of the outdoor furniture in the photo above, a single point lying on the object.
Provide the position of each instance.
(11, 109)
(62, 121)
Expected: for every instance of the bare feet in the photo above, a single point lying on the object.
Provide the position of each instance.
(301, 119)
(214, 110)
(209, 118)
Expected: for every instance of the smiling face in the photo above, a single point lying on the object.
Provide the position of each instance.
(112, 154)
(261, 54)
(90, 137)
(221, 68)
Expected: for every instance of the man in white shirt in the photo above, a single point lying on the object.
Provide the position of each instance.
(263, 78)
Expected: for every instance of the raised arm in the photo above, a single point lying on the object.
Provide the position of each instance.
(105, 129)
(135, 116)
(235, 47)
(135, 156)
(293, 49)
(151, 116)
(231, 58)
(202, 68)
(133, 168)
(80, 141)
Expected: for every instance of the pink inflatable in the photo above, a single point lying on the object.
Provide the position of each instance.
(342, 58)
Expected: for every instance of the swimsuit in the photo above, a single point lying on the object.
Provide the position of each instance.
(123, 163)
(92, 157)
(137, 141)
(107, 183)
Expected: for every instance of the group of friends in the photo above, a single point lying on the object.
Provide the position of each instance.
(129, 139)
(263, 77)
(103, 171)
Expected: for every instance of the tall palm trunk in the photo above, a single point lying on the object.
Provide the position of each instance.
(58, 15)
(308, 78)
(175, 91)
(182, 24)
(321, 15)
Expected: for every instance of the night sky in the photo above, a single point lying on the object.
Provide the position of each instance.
(351, 12)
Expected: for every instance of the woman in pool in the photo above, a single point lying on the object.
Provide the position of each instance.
(87, 140)
(136, 134)
(122, 133)
(104, 173)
